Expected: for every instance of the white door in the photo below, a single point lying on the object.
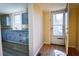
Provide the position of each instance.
(58, 28)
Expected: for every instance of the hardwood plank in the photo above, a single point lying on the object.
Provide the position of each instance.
(14, 49)
(49, 50)
(72, 52)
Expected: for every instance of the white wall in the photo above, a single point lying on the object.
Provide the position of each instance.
(30, 18)
(35, 28)
(37, 31)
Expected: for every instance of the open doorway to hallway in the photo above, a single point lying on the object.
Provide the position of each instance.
(55, 30)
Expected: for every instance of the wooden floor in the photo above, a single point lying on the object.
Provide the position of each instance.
(51, 50)
(11, 49)
(14, 49)
(72, 52)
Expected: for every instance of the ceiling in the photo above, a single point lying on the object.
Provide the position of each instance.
(53, 6)
(6, 8)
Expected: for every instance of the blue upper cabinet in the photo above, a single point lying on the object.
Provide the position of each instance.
(24, 18)
(3, 21)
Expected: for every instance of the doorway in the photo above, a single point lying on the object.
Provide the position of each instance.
(58, 27)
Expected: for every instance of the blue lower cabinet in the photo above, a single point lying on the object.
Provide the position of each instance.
(20, 37)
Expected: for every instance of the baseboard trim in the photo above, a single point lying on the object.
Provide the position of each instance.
(46, 43)
(38, 50)
(57, 44)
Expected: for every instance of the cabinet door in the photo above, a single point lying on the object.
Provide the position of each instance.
(3, 21)
(24, 18)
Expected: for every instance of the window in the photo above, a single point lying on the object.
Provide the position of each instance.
(17, 25)
(8, 20)
(58, 24)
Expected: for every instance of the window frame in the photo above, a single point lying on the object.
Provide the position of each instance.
(15, 21)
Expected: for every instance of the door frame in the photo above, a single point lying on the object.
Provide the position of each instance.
(1, 49)
(67, 35)
(58, 11)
